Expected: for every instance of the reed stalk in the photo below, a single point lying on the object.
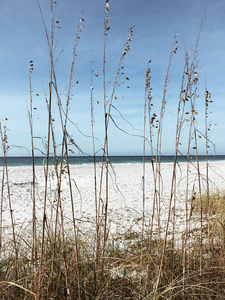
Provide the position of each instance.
(5, 148)
(97, 204)
(48, 151)
(34, 225)
(157, 188)
(207, 96)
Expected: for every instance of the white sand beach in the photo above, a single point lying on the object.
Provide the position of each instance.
(125, 193)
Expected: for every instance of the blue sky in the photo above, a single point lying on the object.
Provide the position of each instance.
(155, 24)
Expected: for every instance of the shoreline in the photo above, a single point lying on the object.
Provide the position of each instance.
(13, 161)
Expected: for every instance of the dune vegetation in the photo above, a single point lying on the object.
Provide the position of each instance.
(46, 260)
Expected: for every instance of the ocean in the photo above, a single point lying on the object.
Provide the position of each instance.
(78, 160)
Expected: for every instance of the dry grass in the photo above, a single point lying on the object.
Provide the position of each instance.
(122, 272)
(213, 210)
(48, 261)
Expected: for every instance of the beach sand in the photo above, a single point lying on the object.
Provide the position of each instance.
(125, 206)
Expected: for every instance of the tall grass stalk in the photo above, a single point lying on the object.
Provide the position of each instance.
(188, 95)
(107, 116)
(97, 203)
(143, 170)
(5, 148)
(64, 149)
(30, 116)
(1, 214)
(48, 150)
(207, 96)
(158, 166)
(152, 123)
(157, 190)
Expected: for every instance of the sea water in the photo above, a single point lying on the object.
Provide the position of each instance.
(78, 160)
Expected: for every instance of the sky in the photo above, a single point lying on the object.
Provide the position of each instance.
(155, 23)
